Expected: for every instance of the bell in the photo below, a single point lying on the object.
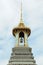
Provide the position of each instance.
(21, 40)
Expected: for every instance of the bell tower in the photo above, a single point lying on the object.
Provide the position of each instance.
(21, 53)
(21, 32)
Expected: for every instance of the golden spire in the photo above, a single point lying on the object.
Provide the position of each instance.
(21, 20)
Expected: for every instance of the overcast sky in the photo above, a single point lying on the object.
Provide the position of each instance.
(9, 18)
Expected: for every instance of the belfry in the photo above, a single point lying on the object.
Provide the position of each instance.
(21, 53)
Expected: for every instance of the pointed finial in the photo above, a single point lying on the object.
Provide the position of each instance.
(21, 20)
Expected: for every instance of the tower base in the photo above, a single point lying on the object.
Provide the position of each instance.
(22, 56)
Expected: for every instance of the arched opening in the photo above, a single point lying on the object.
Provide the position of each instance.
(21, 37)
(21, 34)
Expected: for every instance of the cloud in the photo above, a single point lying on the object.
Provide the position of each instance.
(9, 18)
(40, 60)
(3, 62)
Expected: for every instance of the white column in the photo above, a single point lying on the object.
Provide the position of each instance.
(17, 39)
(26, 40)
